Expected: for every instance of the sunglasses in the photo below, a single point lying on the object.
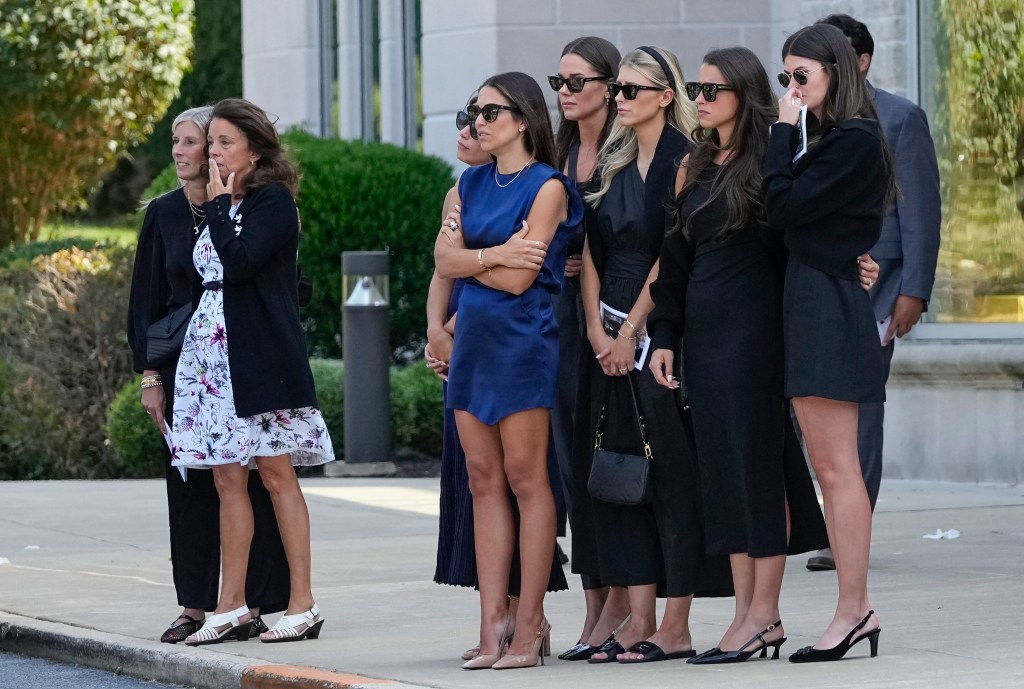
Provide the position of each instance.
(800, 76)
(463, 120)
(710, 91)
(629, 91)
(490, 111)
(575, 82)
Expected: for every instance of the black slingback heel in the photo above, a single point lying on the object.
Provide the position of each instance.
(809, 654)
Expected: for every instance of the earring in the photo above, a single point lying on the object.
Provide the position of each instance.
(522, 129)
(251, 163)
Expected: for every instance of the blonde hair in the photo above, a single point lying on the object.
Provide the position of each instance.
(621, 147)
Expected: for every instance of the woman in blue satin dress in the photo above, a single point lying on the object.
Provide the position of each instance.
(501, 380)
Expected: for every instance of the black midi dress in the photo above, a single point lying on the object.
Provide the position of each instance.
(660, 542)
(749, 456)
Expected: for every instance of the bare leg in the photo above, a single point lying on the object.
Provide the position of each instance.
(743, 582)
(674, 633)
(595, 601)
(492, 523)
(830, 429)
(643, 622)
(293, 520)
(236, 526)
(613, 614)
(763, 609)
(524, 441)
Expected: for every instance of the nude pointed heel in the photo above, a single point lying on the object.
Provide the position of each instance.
(541, 648)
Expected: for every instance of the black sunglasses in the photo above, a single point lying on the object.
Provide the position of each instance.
(799, 75)
(463, 120)
(710, 90)
(629, 91)
(490, 111)
(575, 82)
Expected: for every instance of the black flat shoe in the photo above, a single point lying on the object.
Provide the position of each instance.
(743, 654)
(258, 627)
(809, 654)
(712, 652)
(176, 634)
(580, 651)
(652, 653)
(611, 647)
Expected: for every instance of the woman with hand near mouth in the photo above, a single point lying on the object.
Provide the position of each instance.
(243, 390)
(164, 279)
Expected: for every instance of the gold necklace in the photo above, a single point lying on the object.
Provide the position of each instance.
(198, 217)
(502, 186)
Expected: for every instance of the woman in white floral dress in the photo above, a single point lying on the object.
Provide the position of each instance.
(244, 394)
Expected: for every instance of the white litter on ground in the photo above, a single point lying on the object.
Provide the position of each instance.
(940, 535)
(31, 547)
(4, 561)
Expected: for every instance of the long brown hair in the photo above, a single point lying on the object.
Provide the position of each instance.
(604, 57)
(848, 96)
(740, 178)
(273, 165)
(523, 92)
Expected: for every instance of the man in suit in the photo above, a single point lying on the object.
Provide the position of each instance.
(907, 250)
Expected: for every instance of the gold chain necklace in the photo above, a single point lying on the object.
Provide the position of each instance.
(198, 217)
(514, 178)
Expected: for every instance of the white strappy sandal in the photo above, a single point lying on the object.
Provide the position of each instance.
(232, 627)
(303, 625)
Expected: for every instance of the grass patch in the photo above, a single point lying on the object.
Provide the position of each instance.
(121, 235)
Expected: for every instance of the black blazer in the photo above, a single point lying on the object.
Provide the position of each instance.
(266, 348)
(830, 202)
(164, 276)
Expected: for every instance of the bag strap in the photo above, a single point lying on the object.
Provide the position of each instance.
(641, 426)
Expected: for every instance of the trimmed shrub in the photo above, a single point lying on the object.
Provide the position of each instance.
(417, 407)
(34, 443)
(359, 196)
(329, 376)
(63, 330)
(139, 448)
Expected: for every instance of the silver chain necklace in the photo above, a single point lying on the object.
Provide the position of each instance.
(514, 178)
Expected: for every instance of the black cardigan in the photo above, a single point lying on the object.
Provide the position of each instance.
(830, 202)
(266, 348)
(164, 276)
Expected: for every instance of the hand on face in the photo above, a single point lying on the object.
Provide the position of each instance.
(215, 187)
(790, 104)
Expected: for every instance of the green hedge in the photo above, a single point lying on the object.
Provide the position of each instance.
(417, 420)
(357, 196)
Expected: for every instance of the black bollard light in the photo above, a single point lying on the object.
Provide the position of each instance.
(367, 356)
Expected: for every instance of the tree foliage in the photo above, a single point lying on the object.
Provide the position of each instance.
(978, 133)
(81, 80)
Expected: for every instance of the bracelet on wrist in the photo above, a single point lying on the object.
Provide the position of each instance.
(480, 259)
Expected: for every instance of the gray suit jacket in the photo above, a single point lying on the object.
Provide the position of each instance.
(908, 247)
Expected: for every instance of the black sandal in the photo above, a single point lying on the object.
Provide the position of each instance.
(176, 633)
(611, 647)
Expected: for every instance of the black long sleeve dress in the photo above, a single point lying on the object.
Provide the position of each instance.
(724, 297)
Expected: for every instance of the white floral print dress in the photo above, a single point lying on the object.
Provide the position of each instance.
(206, 430)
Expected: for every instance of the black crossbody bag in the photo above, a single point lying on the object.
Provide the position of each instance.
(617, 477)
(165, 337)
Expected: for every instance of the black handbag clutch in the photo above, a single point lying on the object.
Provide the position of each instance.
(165, 337)
(617, 477)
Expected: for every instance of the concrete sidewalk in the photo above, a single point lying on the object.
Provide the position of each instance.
(85, 577)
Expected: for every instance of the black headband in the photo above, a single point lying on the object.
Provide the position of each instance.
(661, 61)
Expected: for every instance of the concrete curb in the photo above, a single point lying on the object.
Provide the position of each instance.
(152, 660)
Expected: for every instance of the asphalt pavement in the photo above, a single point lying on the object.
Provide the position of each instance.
(85, 577)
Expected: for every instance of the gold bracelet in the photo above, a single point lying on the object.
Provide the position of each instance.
(480, 259)
(147, 386)
(152, 379)
(631, 325)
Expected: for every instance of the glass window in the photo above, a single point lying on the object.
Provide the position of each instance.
(972, 86)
